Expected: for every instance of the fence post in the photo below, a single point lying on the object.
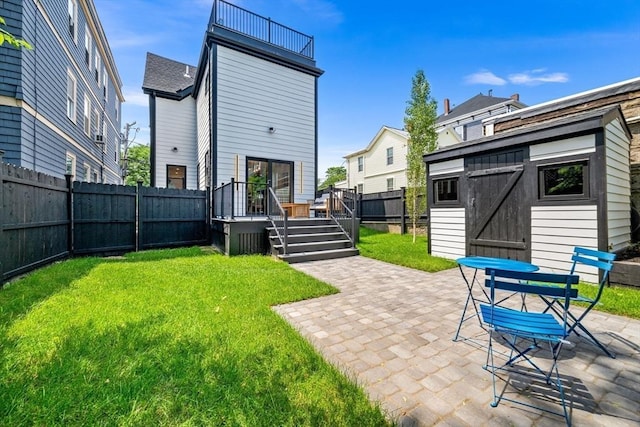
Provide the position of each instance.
(138, 221)
(70, 216)
(233, 197)
(207, 213)
(2, 243)
(403, 220)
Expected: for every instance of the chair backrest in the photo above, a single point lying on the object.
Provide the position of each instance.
(545, 284)
(594, 258)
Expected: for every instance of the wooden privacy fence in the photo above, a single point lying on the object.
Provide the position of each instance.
(388, 206)
(44, 219)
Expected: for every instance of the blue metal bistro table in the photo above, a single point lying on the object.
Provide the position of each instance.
(481, 263)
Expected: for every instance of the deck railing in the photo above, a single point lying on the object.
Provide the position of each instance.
(343, 209)
(235, 18)
(279, 218)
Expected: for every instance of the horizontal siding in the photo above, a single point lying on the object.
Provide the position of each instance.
(450, 166)
(566, 147)
(203, 122)
(618, 187)
(556, 230)
(176, 127)
(253, 95)
(447, 230)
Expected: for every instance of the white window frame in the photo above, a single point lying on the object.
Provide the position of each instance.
(104, 136)
(360, 161)
(117, 107)
(86, 170)
(72, 15)
(360, 188)
(105, 85)
(98, 65)
(70, 159)
(88, 46)
(389, 156)
(72, 86)
(87, 115)
(390, 184)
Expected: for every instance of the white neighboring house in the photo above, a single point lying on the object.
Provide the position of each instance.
(381, 166)
(248, 111)
(369, 169)
(464, 122)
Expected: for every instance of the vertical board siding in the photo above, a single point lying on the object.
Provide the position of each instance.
(566, 147)
(447, 231)
(253, 95)
(556, 230)
(176, 127)
(104, 218)
(618, 187)
(34, 220)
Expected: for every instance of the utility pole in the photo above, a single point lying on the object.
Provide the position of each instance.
(126, 144)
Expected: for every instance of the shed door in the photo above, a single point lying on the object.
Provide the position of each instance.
(498, 219)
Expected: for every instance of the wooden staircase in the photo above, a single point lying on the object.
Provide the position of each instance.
(312, 239)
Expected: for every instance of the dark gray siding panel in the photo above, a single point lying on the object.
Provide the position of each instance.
(11, 58)
(10, 121)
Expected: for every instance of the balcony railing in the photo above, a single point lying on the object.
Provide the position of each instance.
(235, 18)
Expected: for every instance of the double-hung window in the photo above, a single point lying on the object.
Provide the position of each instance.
(87, 115)
(72, 8)
(88, 45)
(389, 184)
(390, 156)
(71, 96)
(360, 163)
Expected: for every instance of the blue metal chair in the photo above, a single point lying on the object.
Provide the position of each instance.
(604, 262)
(524, 332)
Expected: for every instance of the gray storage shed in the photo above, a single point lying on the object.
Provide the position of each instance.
(534, 193)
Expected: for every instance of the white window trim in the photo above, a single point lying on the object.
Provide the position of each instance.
(393, 183)
(87, 172)
(87, 115)
(389, 149)
(71, 100)
(73, 164)
(88, 46)
(72, 9)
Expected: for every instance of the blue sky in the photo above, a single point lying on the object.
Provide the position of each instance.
(370, 50)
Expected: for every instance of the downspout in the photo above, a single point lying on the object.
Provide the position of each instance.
(315, 146)
(213, 114)
(152, 138)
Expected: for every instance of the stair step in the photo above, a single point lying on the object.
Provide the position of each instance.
(314, 246)
(308, 229)
(320, 255)
(311, 237)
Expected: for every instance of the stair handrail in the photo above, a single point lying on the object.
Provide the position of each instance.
(282, 237)
(351, 214)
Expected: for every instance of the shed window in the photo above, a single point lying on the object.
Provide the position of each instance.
(445, 190)
(564, 180)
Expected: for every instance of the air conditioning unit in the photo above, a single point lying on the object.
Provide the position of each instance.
(98, 139)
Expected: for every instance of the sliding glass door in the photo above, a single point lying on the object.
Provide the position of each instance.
(259, 173)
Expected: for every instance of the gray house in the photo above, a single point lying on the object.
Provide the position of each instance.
(247, 111)
(60, 102)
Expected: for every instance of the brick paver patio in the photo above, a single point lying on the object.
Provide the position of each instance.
(391, 328)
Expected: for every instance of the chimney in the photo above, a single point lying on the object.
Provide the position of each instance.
(516, 97)
(446, 106)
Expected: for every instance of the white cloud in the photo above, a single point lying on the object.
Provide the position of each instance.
(135, 96)
(484, 77)
(536, 77)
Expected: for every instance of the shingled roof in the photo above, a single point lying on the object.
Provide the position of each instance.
(167, 77)
(478, 102)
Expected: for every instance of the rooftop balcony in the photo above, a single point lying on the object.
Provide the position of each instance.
(234, 18)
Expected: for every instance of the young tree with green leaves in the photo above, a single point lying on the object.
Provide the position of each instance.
(138, 165)
(332, 175)
(420, 122)
(6, 36)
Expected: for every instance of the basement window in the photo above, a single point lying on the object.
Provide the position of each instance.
(564, 181)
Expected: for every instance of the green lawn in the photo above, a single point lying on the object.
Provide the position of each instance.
(165, 338)
(400, 249)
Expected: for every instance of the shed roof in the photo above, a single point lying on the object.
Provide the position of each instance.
(566, 126)
(169, 78)
(478, 102)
